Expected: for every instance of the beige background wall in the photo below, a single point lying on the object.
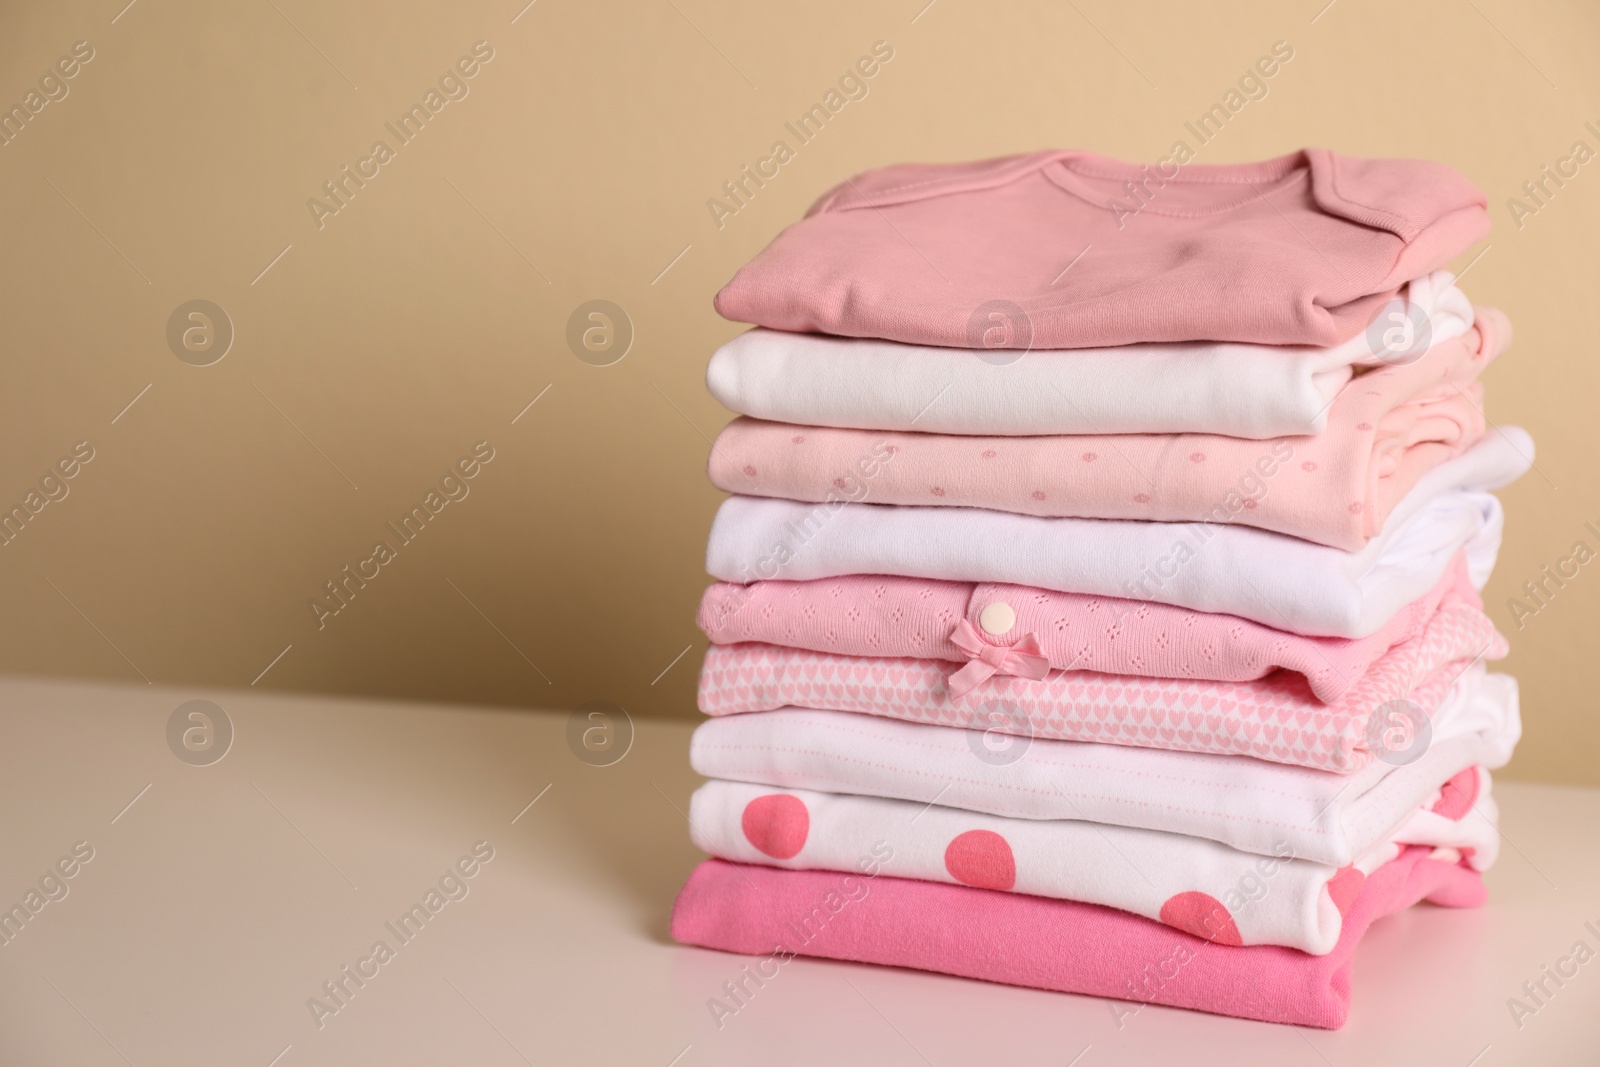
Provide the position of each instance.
(426, 313)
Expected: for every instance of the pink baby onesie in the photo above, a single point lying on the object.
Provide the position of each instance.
(1047, 944)
(1188, 883)
(959, 622)
(1068, 249)
(1386, 429)
(1274, 718)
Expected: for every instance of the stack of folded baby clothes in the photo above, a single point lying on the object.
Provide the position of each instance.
(1098, 603)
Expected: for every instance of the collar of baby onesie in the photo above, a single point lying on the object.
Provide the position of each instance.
(1380, 194)
(1229, 186)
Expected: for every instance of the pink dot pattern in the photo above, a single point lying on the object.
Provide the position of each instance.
(1458, 795)
(777, 825)
(981, 858)
(1202, 915)
(1193, 888)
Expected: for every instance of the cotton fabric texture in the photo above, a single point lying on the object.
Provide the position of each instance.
(1386, 429)
(881, 615)
(1189, 883)
(931, 253)
(1048, 944)
(1249, 804)
(1276, 718)
(1205, 387)
(1282, 582)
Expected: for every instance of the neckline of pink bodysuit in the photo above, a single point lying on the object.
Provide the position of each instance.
(1258, 180)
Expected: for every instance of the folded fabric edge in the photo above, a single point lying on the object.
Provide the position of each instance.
(1055, 945)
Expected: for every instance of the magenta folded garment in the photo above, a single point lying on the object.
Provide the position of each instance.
(1303, 249)
(974, 625)
(1386, 429)
(1276, 718)
(1047, 944)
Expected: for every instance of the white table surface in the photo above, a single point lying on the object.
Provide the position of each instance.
(223, 898)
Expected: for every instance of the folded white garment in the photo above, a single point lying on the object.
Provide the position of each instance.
(1240, 390)
(1270, 578)
(1190, 883)
(1249, 804)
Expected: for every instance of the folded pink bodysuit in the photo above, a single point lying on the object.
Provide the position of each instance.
(915, 618)
(1047, 944)
(1386, 429)
(1275, 718)
(1067, 249)
(1248, 804)
(1206, 888)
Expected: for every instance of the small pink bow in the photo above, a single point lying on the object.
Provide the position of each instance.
(1023, 659)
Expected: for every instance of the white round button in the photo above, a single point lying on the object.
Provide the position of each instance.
(997, 618)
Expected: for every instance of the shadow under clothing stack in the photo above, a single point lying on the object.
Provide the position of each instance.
(1097, 609)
